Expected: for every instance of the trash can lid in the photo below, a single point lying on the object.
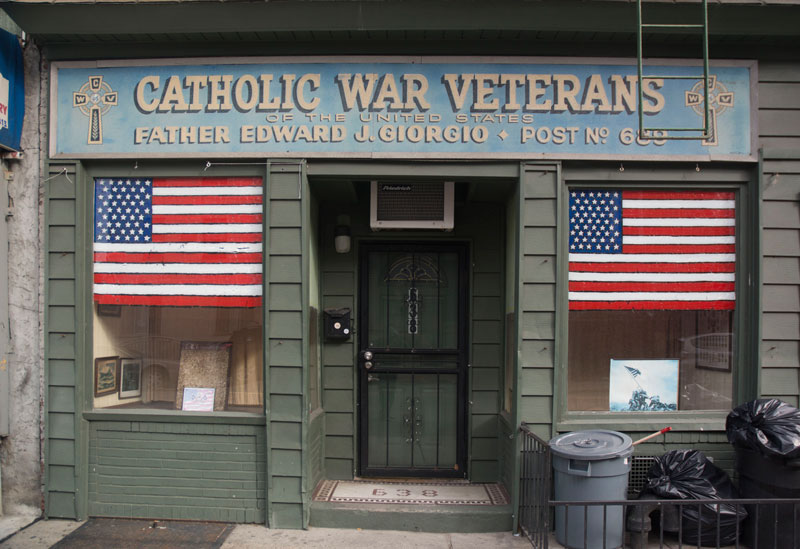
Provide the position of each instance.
(592, 445)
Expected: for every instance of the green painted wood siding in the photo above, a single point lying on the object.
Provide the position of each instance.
(316, 458)
(779, 129)
(337, 357)
(288, 497)
(485, 230)
(537, 288)
(508, 453)
(63, 349)
(177, 471)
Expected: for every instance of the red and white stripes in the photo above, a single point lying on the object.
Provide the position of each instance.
(678, 251)
(203, 245)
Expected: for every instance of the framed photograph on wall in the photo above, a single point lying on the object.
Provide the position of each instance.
(106, 375)
(109, 309)
(130, 376)
(643, 385)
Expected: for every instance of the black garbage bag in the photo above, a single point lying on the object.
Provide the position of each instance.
(687, 475)
(766, 425)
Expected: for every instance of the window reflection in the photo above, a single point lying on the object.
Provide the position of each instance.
(219, 350)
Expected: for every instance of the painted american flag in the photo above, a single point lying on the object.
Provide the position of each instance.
(178, 242)
(651, 249)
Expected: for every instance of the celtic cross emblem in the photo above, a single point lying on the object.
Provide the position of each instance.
(719, 100)
(94, 99)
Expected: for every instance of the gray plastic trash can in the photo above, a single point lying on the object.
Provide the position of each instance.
(591, 466)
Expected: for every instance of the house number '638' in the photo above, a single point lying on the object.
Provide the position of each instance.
(403, 493)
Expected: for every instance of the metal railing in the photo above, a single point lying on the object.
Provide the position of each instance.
(535, 488)
(765, 523)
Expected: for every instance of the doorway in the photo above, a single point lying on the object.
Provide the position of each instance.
(412, 359)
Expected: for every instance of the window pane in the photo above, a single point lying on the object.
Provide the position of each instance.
(162, 354)
(651, 299)
(178, 293)
(699, 340)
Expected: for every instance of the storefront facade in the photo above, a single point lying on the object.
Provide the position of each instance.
(267, 267)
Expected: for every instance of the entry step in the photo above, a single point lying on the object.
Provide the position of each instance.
(411, 506)
(410, 493)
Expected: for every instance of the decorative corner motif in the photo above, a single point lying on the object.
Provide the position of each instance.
(94, 99)
(719, 100)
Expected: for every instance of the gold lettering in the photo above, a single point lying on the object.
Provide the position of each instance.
(535, 92)
(567, 87)
(219, 93)
(246, 100)
(484, 87)
(148, 81)
(353, 89)
(172, 98)
(458, 94)
(266, 103)
(595, 92)
(656, 98)
(195, 83)
(512, 82)
(416, 86)
(313, 81)
(624, 90)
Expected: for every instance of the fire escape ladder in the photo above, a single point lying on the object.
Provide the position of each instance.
(707, 130)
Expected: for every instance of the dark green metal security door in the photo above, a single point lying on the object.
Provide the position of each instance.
(412, 360)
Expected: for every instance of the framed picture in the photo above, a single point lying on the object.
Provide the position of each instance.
(643, 385)
(106, 375)
(204, 364)
(198, 399)
(109, 309)
(130, 385)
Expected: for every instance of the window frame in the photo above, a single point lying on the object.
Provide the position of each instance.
(745, 366)
(84, 226)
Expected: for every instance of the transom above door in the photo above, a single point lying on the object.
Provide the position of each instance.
(412, 359)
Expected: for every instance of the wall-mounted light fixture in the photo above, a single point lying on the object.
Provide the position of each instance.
(341, 233)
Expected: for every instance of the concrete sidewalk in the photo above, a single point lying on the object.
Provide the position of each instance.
(45, 533)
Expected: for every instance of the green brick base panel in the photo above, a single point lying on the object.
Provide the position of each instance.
(177, 471)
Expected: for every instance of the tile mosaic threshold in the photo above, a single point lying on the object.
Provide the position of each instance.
(410, 493)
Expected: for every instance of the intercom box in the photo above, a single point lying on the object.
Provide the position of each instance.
(337, 323)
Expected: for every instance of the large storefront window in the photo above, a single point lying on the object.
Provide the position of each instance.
(178, 315)
(652, 295)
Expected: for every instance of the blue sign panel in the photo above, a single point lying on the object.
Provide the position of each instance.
(12, 91)
(390, 109)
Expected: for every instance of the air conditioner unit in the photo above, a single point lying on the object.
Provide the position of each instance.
(411, 205)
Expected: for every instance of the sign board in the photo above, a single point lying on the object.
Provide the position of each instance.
(407, 108)
(12, 91)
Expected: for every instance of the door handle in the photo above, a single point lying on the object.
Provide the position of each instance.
(366, 357)
(371, 378)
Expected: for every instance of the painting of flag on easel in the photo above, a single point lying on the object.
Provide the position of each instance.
(643, 385)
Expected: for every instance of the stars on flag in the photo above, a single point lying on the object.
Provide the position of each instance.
(123, 211)
(595, 222)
